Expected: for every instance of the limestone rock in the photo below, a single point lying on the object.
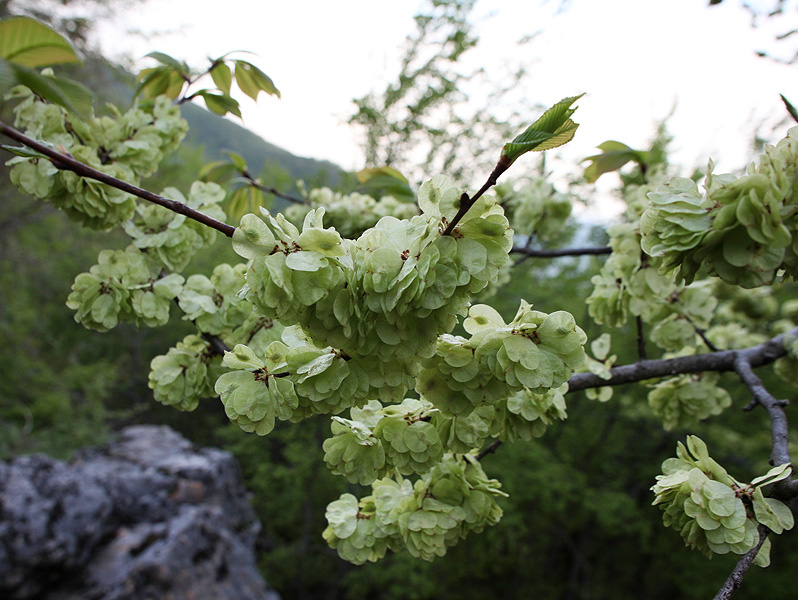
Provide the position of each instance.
(147, 517)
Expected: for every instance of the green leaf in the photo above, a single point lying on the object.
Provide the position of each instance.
(222, 77)
(219, 103)
(251, 80)
(388, 181)
(246, 199)
(237, 160)
(614, 155)
(218, 171)
(23, 152)
(72, 95)
(172, 63)
(25, 41)
(8, 77)
(554, 128)
(160, 81)
(790, 108)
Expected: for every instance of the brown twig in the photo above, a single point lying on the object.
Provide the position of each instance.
(735, 579)
(466, 203)
(65, 162)
(489, 449)
(270, 190)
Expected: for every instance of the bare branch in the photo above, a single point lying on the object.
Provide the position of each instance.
(702, 334)
(215, 344)
(489, 449)
(735, 579)
(279, 194)
(67, 163)
(779, 428)
(756, 356)
(531, 253)
(466, 203)
(270, 190)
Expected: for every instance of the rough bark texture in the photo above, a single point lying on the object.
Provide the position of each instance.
(147, 517)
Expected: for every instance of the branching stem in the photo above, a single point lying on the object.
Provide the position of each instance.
(65, 162)
(735, 579)
(466, 203)
(724, 360)
(779, 428)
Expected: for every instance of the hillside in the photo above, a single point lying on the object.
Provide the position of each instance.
(207, 130)
(216, 134)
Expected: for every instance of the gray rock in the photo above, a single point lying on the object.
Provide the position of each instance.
(147, 517)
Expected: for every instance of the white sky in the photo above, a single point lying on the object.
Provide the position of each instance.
(636, 59)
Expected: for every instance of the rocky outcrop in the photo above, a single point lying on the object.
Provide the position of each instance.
(147, 517)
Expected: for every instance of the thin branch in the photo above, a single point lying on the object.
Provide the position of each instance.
(641, 340)
(735, 579)
(65, 162)
(215, 344)
(466, 203)
(724, 360)
(270, 190)
(279, 194)
(702, 334)
(489, 449)
(779, 429)
(531, 253)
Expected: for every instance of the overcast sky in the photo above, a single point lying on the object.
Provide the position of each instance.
(635, 59)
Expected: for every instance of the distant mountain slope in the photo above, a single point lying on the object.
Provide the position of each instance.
(216, 134)
(213, 133)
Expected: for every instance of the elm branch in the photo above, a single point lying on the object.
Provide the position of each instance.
(532, 253)
(721, 361)
(65, 162)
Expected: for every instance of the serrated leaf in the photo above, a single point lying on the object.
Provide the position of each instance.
(29, 43)
(532, 139)
(554, 128)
